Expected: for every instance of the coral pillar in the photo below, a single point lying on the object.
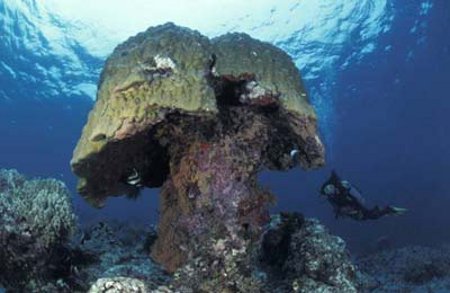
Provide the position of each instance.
(212, 201)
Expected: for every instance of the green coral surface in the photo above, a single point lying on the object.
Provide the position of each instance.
(170, 71)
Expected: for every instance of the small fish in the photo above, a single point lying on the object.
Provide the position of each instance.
(134, 179)
(294, 153)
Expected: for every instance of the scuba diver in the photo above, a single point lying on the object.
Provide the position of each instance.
(348, 202)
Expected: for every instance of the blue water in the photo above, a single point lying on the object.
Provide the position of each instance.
(380, 87)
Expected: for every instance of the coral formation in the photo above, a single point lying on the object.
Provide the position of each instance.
(118, 285)
(293, 254)
(169, 72)
(36, 222)
(296, 255)
(199, 118)
(102, 251)
(301, 256)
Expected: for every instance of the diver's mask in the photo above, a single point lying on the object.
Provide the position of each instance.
(346, 184)
(329, 189)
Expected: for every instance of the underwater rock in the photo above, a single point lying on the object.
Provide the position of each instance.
(276, 241)
(36, 222)
(221, 269)
(408, 269)
(320, 260)
(199, 118)
(118, 285)
(300, 255)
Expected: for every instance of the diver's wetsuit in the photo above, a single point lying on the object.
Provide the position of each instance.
(347, 202)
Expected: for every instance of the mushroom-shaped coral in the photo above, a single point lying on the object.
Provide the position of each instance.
(199, 118)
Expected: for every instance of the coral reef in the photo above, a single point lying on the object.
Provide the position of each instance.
(295, 255)
(36, 222)
(301, 256)
(199, 118)
(104, 251)
(220, 269)
(408, 269)
(118, 285)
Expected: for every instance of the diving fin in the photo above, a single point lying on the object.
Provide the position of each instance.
(398, 210)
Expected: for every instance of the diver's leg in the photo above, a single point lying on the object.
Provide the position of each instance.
(374, 213)
(396, 210)
(377, 212)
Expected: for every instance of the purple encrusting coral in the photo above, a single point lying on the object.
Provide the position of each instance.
(223, 179)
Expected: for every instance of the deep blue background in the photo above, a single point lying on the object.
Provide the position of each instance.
(390, 137)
